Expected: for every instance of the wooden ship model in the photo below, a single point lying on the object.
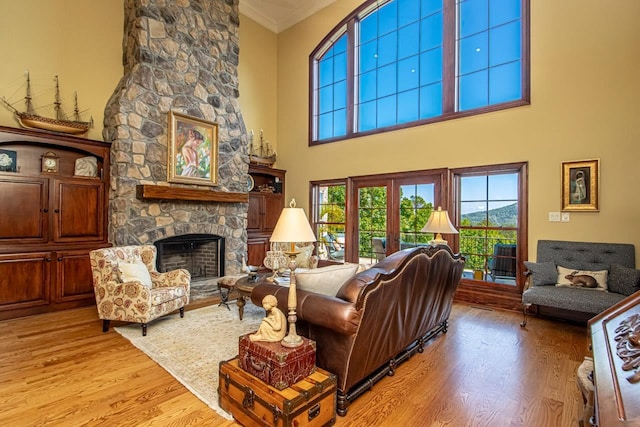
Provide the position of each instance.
(61, 123)
(263, 154)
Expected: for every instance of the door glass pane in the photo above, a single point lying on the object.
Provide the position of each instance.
(372, 222)
(416, 204)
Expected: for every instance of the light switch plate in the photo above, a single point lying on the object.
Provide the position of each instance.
(566, 217)
(554, 216)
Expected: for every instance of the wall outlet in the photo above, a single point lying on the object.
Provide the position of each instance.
(566, 217)
(554, 216)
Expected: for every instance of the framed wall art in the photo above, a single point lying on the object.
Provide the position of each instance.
(8, 161)
(580, 182)
(193, 150)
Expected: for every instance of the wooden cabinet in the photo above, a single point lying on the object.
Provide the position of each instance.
(50, 219)
(266, 201)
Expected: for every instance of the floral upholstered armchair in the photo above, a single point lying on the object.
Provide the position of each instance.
(129, 288)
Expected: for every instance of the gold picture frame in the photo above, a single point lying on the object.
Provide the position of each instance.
(580, 186)
(193, 150)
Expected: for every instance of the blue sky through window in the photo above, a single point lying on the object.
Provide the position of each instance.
(400, 64)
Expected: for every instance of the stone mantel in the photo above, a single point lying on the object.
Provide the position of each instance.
(163, 192)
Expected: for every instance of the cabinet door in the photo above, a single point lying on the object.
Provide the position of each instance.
(272, 209)
(257, 248)
(24, 280)
(254, 214)
(78, 210)
(23, 210)
(73, 275)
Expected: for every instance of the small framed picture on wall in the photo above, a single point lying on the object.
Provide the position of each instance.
(580, 182)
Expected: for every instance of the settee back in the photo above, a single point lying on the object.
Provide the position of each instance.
(586, 255)
(378, 313)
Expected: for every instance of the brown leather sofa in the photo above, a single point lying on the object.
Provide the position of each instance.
(379, 318)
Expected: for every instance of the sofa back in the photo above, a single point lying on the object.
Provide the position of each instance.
(586, 255)
(399, 300)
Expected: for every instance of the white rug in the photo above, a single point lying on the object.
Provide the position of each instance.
(191, 349)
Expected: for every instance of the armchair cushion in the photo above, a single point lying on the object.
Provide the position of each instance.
(134, 272)
(326, 280)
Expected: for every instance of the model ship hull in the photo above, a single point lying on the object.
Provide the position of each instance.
(34, 121)
(257, 160)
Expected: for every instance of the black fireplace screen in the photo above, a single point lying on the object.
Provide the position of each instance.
(201, 254)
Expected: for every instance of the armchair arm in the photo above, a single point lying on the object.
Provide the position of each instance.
(317, 309)
(528, 279)
(178, 277)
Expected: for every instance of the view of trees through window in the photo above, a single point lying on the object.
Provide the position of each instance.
(489, 225)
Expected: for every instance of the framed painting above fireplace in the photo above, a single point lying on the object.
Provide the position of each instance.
(192, 151)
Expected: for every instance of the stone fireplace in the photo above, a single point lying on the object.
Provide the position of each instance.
(179, 56)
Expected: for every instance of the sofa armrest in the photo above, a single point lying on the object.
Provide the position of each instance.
(329, 312)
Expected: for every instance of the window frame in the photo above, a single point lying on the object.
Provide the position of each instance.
(522, 228)
(349, 26)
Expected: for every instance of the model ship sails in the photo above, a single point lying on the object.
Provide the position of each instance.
(61, 123)
(262, 154)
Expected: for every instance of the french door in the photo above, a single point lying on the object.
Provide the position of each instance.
(389, 212)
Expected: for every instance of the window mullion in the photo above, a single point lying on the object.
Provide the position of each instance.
(351, 76)
(449, 57)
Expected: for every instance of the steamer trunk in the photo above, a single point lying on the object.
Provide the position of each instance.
(274, 364)
(252, 402)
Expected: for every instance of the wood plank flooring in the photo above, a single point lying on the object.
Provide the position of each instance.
(59, 369)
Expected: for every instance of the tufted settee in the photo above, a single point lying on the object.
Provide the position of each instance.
(572, 303)
(377, 318)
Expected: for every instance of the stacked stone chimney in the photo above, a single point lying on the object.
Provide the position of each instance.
(179, 55)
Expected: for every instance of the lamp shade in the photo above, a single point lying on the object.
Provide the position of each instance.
(439, 223)
(293, 226)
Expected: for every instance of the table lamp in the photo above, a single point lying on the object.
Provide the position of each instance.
(292, 227)
(439, 223)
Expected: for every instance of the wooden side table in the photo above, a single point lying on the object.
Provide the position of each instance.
(244, 287)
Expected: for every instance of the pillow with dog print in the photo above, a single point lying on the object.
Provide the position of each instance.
(595, 280)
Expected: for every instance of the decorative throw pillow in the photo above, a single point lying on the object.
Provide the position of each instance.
(135, 272)
(596, 280)
(543, 273)
(623, 280)
(326, 280)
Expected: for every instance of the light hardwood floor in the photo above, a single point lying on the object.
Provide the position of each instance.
(59, 369)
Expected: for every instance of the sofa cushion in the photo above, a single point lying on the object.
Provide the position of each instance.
(134, 272)
(543, 273)
(326, 280)
(623, 280)
(593, 280)
(574, 299)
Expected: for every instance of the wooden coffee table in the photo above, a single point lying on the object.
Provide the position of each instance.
(244, 287)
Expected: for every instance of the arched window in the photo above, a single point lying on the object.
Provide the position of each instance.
(398, 63)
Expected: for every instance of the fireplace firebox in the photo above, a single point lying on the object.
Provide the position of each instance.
(201, 254)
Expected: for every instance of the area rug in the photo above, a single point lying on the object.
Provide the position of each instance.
(191, 349)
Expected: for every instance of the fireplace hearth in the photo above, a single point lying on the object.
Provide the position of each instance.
(201, 254)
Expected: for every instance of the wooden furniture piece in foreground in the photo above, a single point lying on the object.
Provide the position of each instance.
(252, 402)
(52, 213)
(615, 342)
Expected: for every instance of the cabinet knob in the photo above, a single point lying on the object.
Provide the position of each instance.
(59, 258)
(56, 210)
(48, 259)
(45, 210)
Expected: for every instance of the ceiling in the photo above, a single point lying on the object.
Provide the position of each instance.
(278, 15)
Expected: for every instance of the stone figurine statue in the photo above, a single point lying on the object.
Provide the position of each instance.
(274, 325)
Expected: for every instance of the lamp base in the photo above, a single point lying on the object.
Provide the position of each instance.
(438, 240)
(292, 341)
